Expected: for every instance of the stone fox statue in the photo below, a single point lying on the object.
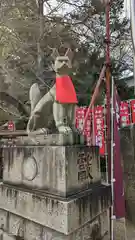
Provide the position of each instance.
(58, 104)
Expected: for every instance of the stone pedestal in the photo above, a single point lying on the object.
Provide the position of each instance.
(60, 170)
(52, 193)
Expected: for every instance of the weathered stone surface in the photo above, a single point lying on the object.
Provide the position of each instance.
(15, 225)
(64, 216)
(61, 170)
(3, 219)
(128, 157)
(53, 139)
(29, 230)
(52, 193)
(104, 221)
(8, 237)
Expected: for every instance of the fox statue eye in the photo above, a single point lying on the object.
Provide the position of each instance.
(60, 61)
(63, 61)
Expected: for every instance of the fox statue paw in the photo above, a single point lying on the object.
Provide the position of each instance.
(65, 130)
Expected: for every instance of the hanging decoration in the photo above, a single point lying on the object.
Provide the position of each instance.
(132, 105)
(99, 128)
(124, 114)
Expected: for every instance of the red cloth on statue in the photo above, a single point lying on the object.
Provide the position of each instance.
(65, 91)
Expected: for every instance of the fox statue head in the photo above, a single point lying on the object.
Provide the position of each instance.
(63, 64)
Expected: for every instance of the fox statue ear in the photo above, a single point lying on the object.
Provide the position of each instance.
(55, 54)
(69, 54)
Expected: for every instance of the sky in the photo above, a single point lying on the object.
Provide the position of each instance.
(53, 3)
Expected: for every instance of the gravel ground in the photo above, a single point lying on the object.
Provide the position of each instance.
(122, 233)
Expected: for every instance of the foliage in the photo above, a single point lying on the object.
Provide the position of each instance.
(27, 38)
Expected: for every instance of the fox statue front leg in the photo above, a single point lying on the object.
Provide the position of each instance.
(61, 118)
(71, 108)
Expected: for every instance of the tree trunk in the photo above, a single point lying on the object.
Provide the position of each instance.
(39, 50)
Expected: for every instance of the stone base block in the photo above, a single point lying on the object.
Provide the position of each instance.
(8, 237)
(65, 216)
(60, 170)
(41, 137)
(19, 228)
(58, 139)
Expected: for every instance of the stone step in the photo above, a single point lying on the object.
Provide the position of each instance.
(60, 215)
(14, 227)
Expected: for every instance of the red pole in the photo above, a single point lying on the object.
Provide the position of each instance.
(108, 98)
(108, 83)
(94, 96)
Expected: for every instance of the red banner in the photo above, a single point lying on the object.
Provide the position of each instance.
(132, 104)
(94, 128)
(80, 115)
(11, 126)
(124, 114)
(99, 129)
(87, 130)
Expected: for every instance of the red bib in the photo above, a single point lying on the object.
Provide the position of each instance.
(65, 91)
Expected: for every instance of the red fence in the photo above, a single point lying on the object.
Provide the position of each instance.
(96, 122)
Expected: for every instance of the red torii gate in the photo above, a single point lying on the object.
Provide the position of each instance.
(106, 74)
